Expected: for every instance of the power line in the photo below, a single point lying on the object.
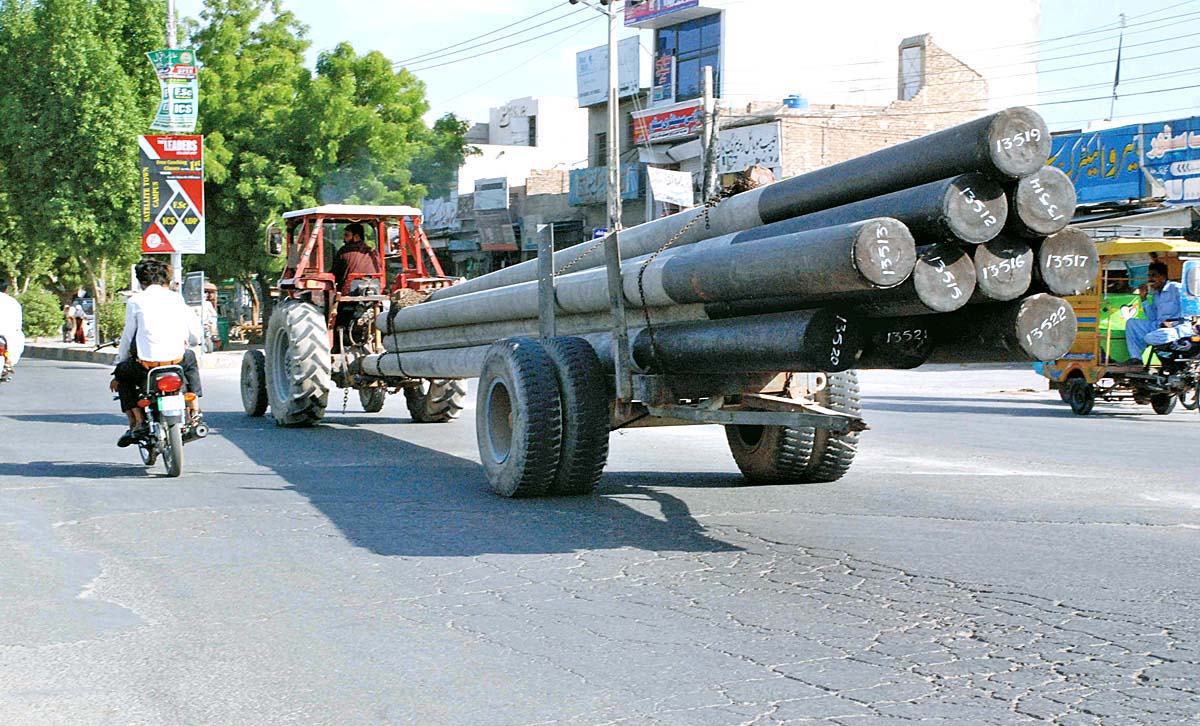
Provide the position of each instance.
(438, 51)
(436, 57)
(505, 47)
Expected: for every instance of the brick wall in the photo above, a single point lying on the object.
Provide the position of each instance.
(951, 93)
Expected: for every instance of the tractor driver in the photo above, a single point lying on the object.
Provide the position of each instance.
(1164, 321)
(159, 327)
(355, 257)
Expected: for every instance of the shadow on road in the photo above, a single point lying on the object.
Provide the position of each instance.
(71, 469)
(1038, 408)
(394, 497)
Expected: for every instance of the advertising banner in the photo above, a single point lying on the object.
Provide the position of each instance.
(678, 122)
(742, 147)
(491, 194)
(590, 186)
(664, 79)
(172, 191)
(177, 78)
(591, 72)
(496, 232)
(652, 9)
(673, 187)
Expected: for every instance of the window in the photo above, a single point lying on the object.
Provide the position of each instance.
(912, 71)
(600, 149)
(695, 44)
(533, 130)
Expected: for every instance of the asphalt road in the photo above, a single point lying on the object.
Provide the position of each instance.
(989, 559)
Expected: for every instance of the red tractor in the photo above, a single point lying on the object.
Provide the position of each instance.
(321, 326)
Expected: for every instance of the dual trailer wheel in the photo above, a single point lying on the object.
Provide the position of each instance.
(542, 420)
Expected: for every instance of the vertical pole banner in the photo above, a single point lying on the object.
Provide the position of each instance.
(172, 190)
(176, 71)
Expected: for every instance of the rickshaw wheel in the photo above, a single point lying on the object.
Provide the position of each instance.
(1081, 396)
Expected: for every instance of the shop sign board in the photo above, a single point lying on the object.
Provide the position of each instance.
(662, 124)
(651, 9)
(590, 185)
(591, 72)
(171, 178)
(742, 147)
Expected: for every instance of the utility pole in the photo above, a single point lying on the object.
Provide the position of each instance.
(612, 242)
(709, 137)
(172, 43)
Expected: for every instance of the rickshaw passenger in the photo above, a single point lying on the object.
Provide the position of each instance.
(1164, 321)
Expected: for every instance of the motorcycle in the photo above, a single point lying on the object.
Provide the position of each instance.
(1177, 378)
(6, 367)
(169, 425)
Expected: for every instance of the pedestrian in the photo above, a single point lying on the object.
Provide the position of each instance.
(68, 327)
(80, 316)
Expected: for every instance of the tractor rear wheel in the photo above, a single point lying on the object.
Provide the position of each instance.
(585, 395)
(298, 364)
(791, 455)
(254, 383)
(435, 400)
(372, 399)
(518, 418)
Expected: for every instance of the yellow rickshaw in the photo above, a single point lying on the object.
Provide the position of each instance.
(1093, 369)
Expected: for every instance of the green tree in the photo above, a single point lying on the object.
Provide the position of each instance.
(69, 115)
(436, 166)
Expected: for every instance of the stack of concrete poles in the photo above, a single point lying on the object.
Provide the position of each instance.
(956, 242)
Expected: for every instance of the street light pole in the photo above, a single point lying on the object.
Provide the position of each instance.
(172, 43)
(612, 242)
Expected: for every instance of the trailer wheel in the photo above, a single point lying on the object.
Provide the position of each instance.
(372, 399)
(254, 383)
(518, 418)
(833, 453)
(298, 363)
(771, 454)
(783, 454)
(1163, 403)
(1082, 396)
(436, 400)
(584, 391)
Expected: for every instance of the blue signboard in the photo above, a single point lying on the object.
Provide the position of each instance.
(1105, 165)
(651, 9)
(1116, 165)
(1171, 153)
(590, 186)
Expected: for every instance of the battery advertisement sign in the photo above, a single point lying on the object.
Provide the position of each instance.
(172, 191)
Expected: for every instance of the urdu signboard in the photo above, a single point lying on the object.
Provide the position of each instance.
(652, 9)
(1133, 162)
(680, 121)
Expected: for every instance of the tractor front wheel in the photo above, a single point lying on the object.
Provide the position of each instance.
(372, 399)
(298, 364)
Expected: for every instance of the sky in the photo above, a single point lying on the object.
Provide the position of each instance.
(1076, 51)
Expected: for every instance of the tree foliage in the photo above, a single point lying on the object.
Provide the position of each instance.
(75, 91)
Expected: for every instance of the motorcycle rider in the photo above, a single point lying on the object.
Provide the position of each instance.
(159, 327)
(11, 323)
(1164, 321)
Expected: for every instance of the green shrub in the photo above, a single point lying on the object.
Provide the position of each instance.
(111, 318)
(42, 311)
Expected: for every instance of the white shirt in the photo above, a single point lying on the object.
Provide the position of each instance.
(11, 326)
(161, 323)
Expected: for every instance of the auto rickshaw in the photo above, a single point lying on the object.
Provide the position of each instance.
(1096, 367)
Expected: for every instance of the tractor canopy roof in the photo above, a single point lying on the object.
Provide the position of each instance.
(353, 212)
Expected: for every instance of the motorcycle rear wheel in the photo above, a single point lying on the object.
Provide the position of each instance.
(173, 450)
(1190, 398)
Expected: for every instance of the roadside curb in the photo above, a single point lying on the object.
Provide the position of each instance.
(42, 351)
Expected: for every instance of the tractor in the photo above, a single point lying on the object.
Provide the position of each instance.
(322, 327)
